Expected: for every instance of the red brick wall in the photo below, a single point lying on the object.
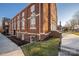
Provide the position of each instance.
(45, 17)
(53, 12)
(46, 10)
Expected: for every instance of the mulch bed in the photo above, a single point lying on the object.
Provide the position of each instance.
(19, 42)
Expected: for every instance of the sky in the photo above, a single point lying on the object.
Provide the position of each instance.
(9, 10)
(65, 11)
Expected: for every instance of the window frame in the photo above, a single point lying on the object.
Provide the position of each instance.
(33, 18)
(18, 22)
(23, 21)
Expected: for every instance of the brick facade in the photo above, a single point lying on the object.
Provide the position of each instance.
(45, 16)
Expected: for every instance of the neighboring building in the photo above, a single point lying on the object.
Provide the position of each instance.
(5, 25)
(34, 22)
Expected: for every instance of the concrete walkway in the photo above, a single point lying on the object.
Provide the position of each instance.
(70, 44)
(8, 48)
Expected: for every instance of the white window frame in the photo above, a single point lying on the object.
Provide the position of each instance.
(6, 23)
(33, 8)
(18, 23)
(23, 14)
(23, 21)
(33, 18)
(14, 24)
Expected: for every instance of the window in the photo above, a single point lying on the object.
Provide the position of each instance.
(32, 19)
(23, 21)
(6, 23)
(23, 14)
(18, 23)
(33, 8)
(32, 23)
(14, 24)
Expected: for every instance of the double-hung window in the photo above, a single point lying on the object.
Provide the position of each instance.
(33, 18)
(14, 24)
(23, 21)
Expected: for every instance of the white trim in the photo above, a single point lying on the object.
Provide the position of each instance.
(18, 22)
(33, 21)
(35, 15)
(23, 14)
(34, 33)
(23, 23)
(53, 26)
(32, 27)
(32, 8)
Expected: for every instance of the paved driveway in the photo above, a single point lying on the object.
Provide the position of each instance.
(7, 47)
(69, 44)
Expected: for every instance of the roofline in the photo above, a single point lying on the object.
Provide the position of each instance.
(22, 10)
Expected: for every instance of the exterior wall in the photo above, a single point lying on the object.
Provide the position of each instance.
(45, 16)
(53, 17)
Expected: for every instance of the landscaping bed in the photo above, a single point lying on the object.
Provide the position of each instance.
(42, 48)
(17, 41)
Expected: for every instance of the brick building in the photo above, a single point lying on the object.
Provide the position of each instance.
(34, 22)
(5, 25)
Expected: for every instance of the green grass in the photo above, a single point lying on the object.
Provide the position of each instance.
(44, 48)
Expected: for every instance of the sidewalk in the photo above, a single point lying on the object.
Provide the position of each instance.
(70, 43)
(8, 48)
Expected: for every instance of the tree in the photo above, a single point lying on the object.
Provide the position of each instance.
(73, 21)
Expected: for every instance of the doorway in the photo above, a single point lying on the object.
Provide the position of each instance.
(14, 32)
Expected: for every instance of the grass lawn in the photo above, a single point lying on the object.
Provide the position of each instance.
(42, 48)
(76, 33)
